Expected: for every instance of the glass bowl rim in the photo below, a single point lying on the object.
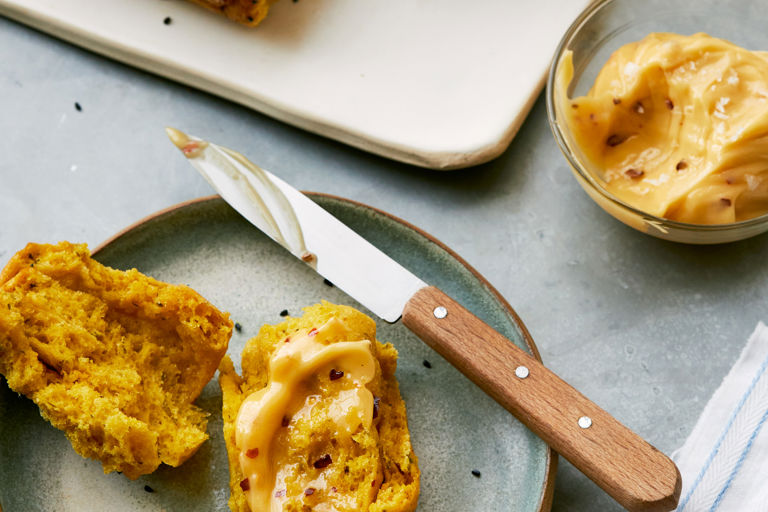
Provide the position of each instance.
(587, 177)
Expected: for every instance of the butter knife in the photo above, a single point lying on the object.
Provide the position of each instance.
(634, 473)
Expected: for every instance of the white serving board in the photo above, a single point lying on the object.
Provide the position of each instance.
(436, 83)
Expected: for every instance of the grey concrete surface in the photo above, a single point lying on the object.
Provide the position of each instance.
(645, 328)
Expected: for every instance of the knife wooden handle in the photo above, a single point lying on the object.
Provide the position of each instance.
(634, 473)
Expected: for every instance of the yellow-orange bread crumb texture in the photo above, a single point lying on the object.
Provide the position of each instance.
(114, 359)
(378, 457)
(247, 12)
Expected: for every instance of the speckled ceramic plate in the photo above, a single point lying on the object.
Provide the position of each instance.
(455, 428)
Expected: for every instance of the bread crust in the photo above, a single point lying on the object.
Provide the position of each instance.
(114, 359)
(246, 12)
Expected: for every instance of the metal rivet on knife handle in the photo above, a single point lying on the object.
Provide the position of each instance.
(440, 312)
(585, 422)
(521, 372)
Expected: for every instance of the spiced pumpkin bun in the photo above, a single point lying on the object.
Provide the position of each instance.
(316, 421)
(114, 359)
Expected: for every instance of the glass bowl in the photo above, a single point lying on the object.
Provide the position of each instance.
(607, 25)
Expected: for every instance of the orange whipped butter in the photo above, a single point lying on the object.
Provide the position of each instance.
(676, 126)
(286, 398)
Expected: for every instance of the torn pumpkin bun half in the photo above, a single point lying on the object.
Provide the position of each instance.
(247, 12)
(114, 359)
(316, 421)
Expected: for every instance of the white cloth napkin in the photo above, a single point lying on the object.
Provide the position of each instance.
(724, 462)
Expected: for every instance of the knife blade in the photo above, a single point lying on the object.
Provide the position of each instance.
(634, 473)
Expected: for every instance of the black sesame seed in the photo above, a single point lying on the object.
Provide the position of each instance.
(148, 488)
(78, 107)
(476, 473)
(238, 327)
(167, 20)
(250, 18)
(284, 312)
(327, 282)
(426, 364)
